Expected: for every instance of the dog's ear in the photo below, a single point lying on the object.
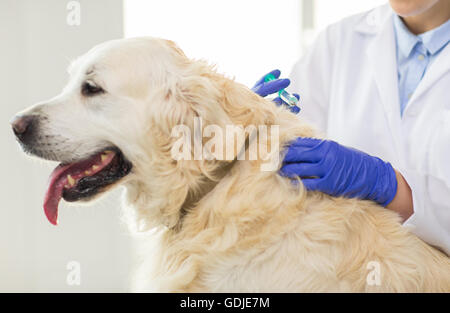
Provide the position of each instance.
(222, 103)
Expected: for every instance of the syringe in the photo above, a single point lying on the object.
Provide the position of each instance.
(284, 95)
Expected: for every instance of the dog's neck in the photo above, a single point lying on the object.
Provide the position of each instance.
(206, 186)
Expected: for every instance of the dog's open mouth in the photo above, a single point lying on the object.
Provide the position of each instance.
(84, 179)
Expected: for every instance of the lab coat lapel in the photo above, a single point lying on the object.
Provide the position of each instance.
(437, 69)
(382, 57)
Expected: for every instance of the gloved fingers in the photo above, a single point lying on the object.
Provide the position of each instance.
(302, 170)
(272, 86)
(306, 154)
(275, 73)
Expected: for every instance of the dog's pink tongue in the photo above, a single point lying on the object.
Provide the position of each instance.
(54, 192)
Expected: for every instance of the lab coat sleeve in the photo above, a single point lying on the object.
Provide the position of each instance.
(430, 186)
(431, 218)
(311, 77)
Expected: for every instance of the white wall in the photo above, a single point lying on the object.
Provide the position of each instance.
(245, 38)
(331, 11)
(35, 48)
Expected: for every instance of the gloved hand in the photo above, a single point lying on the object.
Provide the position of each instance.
(264, 89)
(337, 170)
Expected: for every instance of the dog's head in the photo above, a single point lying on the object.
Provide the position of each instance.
(114, 122)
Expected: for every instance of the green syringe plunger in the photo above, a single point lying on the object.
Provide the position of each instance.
(283, 94)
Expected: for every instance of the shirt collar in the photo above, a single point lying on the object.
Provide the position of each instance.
(436, 39)
(433, 40)
(405, 39)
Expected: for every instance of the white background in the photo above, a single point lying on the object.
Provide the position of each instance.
(245, 38)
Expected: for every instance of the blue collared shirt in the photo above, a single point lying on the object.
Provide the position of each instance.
(415, 53)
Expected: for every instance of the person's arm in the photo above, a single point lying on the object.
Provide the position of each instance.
(403, 200)
(420, 199)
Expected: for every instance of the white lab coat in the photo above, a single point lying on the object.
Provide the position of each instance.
(348, 87)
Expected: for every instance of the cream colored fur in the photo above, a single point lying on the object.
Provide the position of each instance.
(254, 231)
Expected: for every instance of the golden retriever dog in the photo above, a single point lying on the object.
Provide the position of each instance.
(212, 224)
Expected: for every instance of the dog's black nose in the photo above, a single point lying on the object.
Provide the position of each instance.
(21, 126)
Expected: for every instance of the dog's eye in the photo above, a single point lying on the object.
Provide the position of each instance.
(89, 88)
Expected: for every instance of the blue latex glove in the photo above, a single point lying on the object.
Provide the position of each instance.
(264, 89)
(337, 170)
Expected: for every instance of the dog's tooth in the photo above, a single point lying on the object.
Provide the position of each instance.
(107, 152)
(88, 172)
(70, 180)
(104, 157)
(95, 167)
